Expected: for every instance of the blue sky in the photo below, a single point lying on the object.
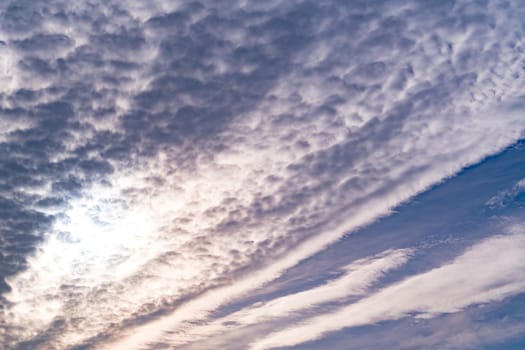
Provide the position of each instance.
(262, 174)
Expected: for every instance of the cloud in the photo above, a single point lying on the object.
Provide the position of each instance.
(178, 156)
(504, 198)
(461, 331)
(446, 289)
(356, 281)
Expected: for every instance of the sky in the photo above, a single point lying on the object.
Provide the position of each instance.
(252, 175)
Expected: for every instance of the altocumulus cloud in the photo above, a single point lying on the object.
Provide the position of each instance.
(162, 161)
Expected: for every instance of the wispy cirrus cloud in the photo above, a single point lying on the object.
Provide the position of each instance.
(446, 289)
(357, 279)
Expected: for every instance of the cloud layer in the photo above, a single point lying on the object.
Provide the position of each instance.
(160, 162)
(446, 289)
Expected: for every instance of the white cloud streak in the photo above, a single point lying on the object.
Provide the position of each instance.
(487, 272)
(359, 276)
